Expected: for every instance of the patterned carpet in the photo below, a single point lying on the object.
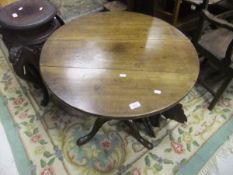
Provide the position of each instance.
(48, 135)
(221, 162)
(70, 9)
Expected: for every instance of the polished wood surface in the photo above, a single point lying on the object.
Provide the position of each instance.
(82, 61)
(5, 2)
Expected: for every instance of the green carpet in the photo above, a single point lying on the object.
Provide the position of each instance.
(46, 136)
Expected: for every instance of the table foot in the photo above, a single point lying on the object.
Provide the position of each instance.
(97, 125)
(147, 124)
(176, 113)
(135, 133)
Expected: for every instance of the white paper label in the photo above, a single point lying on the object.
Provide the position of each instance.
(156, 91)
(123, 75)
(134, 105)
(14, 15)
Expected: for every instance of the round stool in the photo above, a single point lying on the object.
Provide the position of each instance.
(25, 26)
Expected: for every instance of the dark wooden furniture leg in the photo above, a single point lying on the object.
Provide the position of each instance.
(176, 113)
(147, 124)
(154, 120)
(131, 5)
(135, 133)
(176, 12)
(39, 82)
(25, 63)
(98, 124)
(219, 92)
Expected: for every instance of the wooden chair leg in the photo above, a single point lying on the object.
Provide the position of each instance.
(176, 12)
(131, 5)
(203, 63)
(220, 92)
(155, 7)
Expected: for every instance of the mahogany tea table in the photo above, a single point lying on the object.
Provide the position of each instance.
(119, 65)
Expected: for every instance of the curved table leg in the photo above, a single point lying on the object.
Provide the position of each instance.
(148, 127)
(176, 113)
(97, 125)
(135, 133)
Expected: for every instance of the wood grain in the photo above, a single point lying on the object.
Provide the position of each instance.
(81, 63)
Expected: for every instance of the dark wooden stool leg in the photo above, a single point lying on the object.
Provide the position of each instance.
(37, 80)
(45, 99)
(60, 20)
(147, 124)
(98, 124)
(25, 61)
(135, 133)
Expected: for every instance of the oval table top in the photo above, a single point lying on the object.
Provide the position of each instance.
(120, 65)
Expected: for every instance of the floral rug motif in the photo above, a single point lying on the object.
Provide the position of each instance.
(49, 134)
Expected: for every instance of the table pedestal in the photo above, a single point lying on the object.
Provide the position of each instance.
(176, 113)
(133, 131)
